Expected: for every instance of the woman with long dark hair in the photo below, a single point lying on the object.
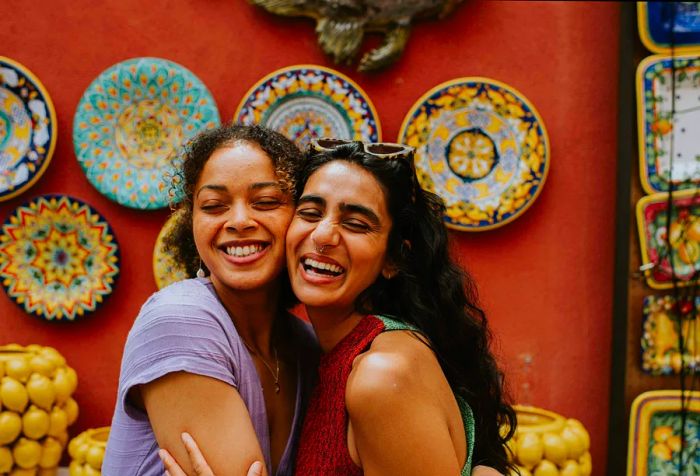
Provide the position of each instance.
(407, 383)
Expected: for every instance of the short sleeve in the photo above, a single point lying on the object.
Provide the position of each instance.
(172, 335)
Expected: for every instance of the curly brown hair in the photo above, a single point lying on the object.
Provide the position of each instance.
(285, 157)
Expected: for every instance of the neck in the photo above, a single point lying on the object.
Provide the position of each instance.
(253, 313)
(332, 325)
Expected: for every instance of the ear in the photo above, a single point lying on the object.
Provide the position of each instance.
(390, 270)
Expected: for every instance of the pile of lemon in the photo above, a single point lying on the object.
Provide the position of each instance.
(87, 451)
(36, 408)
(547, 444)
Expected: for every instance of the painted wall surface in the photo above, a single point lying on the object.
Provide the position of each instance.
(545, 279)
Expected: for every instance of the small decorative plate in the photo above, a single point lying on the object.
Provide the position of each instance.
(660, 354)
(165, 269)
(664, 131)
(684, 238)
(27, 129)
(655, 434)
(482, 147)
(59, 258)
(667, 27)
(132, 120)
(307, 101)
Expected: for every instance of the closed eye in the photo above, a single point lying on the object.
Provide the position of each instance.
(309, 214)
(267, 204)
(357, 226)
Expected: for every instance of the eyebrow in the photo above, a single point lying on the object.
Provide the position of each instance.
(253, 187)
(344, 207)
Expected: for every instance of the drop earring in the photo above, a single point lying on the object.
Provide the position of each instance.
(200, 271)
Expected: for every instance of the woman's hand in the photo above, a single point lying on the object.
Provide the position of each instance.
(199, 464)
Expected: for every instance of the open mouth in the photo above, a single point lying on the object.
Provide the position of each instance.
(321, 268)
(243, 251)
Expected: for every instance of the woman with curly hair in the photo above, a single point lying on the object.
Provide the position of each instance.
(407, 383)
(219, 356)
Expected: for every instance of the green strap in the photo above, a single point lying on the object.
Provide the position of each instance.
(391, 324)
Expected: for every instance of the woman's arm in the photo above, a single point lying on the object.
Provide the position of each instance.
(199, 464)
(212, 412)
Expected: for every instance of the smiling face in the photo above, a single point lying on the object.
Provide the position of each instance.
(240, 217)
(342, 210)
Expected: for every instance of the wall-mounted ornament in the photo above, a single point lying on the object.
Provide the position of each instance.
(27, 128)
(663, 321)
(59, 258)
(341, 25)
(655, 443)
(480, 145)
(308, 101)
(673, 249)
(664, 129)
(669, 26)
(130, 123)
(166, 270)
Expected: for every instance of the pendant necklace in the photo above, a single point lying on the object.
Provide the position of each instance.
(275, 373)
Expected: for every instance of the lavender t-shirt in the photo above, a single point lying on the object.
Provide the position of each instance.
(184, 327)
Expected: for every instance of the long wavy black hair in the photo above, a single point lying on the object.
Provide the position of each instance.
(432, 293)
(285, 157)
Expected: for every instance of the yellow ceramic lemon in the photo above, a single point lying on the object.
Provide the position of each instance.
(62, 385)
(546, 468)
(53, 355)
(71, 409)
(75, 469)
(18, 368)
(42, 365)
(50, 453)
(571, 468)
(523, 470)
(35, 423)
(26, 453)
(94, 457)
(41, 391)
(573, 442)
(555, 449)
(585, 464)
(14, 395)
(529, 449)
(10, 427)
(6, 461)
(58, 422)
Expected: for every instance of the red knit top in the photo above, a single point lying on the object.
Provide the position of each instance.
(323, 449)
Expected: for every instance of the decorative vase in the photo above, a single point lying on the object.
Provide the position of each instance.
(547, 444)
(36, 408)
(87, 451)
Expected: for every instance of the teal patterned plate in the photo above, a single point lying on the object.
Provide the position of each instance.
(131, 121)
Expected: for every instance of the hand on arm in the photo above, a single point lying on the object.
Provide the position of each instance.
(213, 413)
(199, 464)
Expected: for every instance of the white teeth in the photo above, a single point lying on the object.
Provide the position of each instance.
(243, 251)
(333, 268)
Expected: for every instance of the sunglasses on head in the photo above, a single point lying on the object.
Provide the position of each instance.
(382, 150)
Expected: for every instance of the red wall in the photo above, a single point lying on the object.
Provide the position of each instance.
(545, 279)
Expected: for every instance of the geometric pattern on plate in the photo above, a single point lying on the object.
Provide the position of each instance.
(682, 257)
(59, 258)
(27, 128)
(660, 348)
(165, 269)
(482, 147)
(655, 434)
(664, 131)
(131, 122)
(304, 102)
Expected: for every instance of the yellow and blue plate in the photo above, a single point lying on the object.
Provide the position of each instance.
(304, 102)
(166, 270)
(131, 122)
(59, 258)
(655, 443)
(482, 147)
(27, 128)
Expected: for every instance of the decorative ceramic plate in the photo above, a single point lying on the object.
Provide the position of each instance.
(482, 147)
(664, 130)
(165, 269)
(667, 27)
(660, 333)
(59, 258)
(684, 249)
(27, 129)
(307, 101)
(655, 434)
(132, 120)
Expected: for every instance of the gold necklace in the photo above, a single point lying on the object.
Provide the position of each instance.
(275, 373)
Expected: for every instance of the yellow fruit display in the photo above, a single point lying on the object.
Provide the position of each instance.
(547, 444)
(87, 451)
(36, 407)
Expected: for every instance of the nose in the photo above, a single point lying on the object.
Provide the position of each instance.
(325, 233)
(239, 218)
